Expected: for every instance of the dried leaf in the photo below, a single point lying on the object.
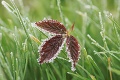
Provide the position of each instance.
(51, 26)
(73, 50)
(50, 49)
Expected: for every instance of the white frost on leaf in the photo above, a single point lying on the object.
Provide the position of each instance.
(60, 48)
(55, 55)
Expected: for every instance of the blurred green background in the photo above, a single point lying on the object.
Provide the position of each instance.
(97, 29)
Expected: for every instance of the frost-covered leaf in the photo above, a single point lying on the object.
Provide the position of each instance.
(50, 48)
(73, 50)
(51, 26)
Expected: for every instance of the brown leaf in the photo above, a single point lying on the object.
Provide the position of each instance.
(73, 50)
(50, 49)
(52, 26)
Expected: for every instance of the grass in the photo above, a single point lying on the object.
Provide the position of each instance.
(97, 28)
